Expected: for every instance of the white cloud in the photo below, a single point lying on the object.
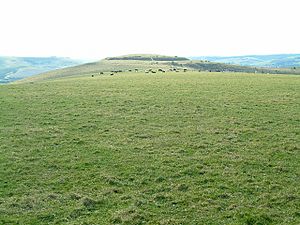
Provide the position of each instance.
(95, 29)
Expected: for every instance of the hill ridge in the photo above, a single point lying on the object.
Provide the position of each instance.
(143, 62)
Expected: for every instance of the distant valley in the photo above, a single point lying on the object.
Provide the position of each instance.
(16, 68)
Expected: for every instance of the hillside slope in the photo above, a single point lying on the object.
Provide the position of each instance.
(15, 68)
(149, 62)
(173, 148)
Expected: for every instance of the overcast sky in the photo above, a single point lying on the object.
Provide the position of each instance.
(99, 28)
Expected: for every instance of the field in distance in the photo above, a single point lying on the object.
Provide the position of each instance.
(142, 62)
(166, 148)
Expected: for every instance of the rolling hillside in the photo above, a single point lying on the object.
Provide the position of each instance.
(16, 68)
(168, 148)
(154, 62)
(274, 61)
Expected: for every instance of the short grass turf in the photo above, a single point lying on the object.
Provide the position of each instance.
(190, 148)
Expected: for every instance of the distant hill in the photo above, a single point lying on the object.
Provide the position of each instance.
(148, 57)
(15, 68)
(271, 61)
(145, 62)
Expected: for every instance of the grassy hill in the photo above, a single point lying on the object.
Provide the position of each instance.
(167, 148)
(273, 61)
(16, 68)
(154, 62)
(148, 57)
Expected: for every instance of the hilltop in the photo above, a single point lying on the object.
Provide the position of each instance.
(16, 68)
(143, 62)
(149, 57)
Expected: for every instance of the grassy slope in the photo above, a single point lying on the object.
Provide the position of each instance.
(193, 148)
(96, 67)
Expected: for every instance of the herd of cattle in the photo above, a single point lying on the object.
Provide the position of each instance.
(113, 72)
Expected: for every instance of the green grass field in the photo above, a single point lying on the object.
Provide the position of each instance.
(173, 148)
